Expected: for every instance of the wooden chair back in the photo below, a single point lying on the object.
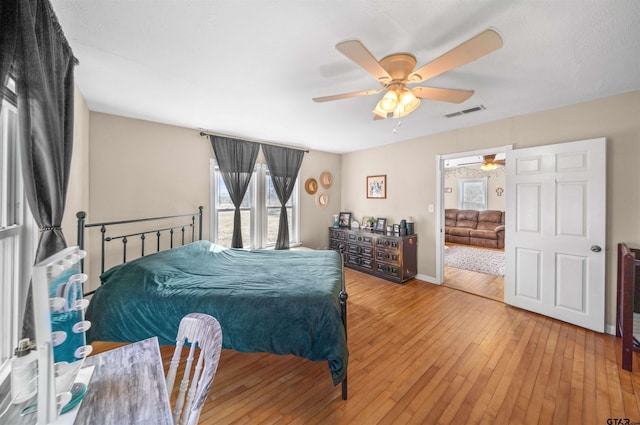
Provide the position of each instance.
(203, 331)
(626, 302)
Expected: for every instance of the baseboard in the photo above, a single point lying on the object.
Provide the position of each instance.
(426, 278)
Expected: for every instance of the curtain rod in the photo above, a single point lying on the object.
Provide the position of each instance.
(206, 133)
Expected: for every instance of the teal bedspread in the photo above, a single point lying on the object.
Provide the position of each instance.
(281, 302)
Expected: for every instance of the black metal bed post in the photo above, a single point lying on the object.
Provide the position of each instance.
(103, 230)
(200, 209)
(343, 307)
(124, 249)
(81, 216)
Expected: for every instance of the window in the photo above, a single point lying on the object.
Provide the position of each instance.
(17, 233)
(260, 211)
(473, 194)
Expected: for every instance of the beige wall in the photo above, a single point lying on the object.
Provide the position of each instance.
(412, 181)
(144, 169)
(314, 221)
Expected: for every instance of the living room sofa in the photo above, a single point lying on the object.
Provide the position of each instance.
(471, 227)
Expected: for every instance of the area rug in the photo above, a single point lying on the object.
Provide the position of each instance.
(475, 259)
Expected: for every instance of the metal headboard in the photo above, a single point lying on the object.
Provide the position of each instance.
(182, 228)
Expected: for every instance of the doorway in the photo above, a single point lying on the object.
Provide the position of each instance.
(473, 180)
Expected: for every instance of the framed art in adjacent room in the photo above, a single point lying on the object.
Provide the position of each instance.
(345, 219)
(377, 187)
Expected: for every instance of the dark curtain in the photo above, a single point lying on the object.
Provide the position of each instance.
(284, 165)
(236, 160)
(34, 48)
(8, 40)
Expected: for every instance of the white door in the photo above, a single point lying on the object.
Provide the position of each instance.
(555, 231)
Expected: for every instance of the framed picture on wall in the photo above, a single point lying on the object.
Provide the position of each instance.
(377, 187)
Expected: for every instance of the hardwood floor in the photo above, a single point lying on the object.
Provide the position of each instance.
(484, 285)
(428, 354)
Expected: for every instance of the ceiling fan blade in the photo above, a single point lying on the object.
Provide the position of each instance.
(472, 49)
(500, 161)
(444, 95)
(355, 50)
(347, 95)
(377, 117)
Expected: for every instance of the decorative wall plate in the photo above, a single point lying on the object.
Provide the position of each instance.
(326, 179)
(322, 199)
(311, 186)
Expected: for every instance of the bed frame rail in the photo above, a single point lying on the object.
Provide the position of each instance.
(182, 228)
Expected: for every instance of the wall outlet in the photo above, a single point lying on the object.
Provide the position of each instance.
(431, 208)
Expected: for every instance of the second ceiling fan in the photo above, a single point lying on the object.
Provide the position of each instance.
(489, 162)
(395, 72)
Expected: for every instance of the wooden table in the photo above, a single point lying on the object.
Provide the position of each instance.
(127, 387)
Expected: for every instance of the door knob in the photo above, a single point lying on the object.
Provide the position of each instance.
(595, 248)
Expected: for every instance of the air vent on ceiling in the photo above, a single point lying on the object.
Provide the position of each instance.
(466, 111)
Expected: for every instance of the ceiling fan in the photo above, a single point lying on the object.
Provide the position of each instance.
(395, 72)
(489, 162)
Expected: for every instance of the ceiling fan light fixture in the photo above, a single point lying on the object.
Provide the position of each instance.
(379, 112)
(399, 112)
(389, 101)
(489, 166)
(409, 101)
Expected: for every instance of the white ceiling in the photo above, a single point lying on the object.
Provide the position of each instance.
(250, 68)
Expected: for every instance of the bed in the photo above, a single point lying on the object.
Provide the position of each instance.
(280, 302)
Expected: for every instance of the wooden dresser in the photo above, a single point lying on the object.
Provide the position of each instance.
(393, 258)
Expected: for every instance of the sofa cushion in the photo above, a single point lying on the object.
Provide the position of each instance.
(450, 217)
(467, 218)
(488, 243)
(459, 231)
(492, 216)
(487, 225)
(484, 234)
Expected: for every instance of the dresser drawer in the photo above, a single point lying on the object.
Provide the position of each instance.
(337, 234)
(361, 239)
(358, 261)
(337, 245)
(366, 251)
(388, 256)
(388, 270)
(387, 243)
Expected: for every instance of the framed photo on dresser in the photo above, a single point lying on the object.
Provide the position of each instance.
(345, 219)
